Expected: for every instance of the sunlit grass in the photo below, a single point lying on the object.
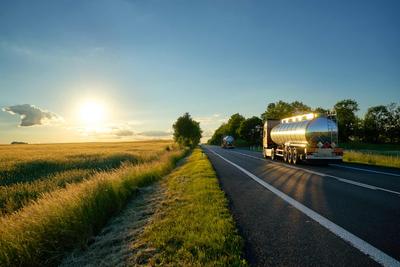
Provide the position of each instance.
(372, 159)
(28, 171)
(43, 231)
(26, 163)
(193, 226)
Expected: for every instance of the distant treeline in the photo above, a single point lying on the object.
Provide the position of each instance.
(381, 124)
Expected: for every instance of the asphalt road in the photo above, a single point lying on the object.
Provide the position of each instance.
(336, 215)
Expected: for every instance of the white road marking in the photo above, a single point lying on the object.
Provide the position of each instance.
(373, 252)
(365, 170)
(344, 180)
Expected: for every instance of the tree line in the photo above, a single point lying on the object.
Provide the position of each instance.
(380, 124)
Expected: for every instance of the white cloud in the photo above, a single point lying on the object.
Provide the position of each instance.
(156, 134)
(122, 132)
(31, 115)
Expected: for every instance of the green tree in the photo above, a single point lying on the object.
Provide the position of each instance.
(376, 124)
(321, 110)
(187, 131)
(216, 139)
(281, 109)
(393, 131)
(233, 125)
(346, 118)
(250, 130)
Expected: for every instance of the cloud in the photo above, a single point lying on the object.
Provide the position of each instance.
(122, 132)
(31, 115)
(155, 133)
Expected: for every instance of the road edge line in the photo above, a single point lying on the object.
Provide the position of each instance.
(340, 179)
(363, 246)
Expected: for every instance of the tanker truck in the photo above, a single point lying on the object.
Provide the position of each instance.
(309, 137)
(227, 142)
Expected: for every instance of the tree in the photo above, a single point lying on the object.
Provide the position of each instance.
(216, 139)
(250, 130)
(321, 110)
(376, 124)
(345, 111)
(393, 131)
(187, 131)
(234, 124)
(281, 109)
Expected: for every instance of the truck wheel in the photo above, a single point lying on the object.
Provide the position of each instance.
(295, 156)
(290, 156)
(285, 155)
(272, 154)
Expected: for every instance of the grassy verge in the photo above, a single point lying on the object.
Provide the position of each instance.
(365, 146)
(193, 226)
(41, 232)
(371, 159)
(27, 163)
(15, 196)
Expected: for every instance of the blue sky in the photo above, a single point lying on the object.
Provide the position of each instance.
(150, 61)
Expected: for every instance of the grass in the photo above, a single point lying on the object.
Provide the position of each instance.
(42, 231)
(375, 147)
(25, 163)
(193, 227)
(372, 158)
(28, 171)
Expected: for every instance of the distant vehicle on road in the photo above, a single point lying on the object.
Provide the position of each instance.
(308, 137)
(227, 142)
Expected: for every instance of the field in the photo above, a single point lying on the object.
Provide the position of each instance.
(54, 197)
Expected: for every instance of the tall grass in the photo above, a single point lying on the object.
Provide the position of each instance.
(41, 232)
(25, 176)
(25, 163)
(193, 226)
(15, 196)
(372, 158)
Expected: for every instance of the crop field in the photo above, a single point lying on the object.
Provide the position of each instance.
(54, 197)
(27, 171)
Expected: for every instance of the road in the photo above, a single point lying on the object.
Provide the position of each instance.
(307, 215)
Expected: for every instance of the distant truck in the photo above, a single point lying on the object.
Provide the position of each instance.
(309, 137)
(227, 142)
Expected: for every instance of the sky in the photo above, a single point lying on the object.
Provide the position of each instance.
(75, 71)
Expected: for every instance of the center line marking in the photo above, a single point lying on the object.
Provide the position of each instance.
(344, 180)
(373, 252)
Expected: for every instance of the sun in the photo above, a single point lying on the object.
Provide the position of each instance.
(92, 113)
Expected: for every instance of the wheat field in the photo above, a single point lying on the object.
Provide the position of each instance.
(54, 197)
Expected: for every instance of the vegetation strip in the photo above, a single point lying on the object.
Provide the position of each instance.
(40, 233)
(372, 159)
(193, 226)
(32, 175)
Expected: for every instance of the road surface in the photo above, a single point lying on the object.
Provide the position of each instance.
(336, 215)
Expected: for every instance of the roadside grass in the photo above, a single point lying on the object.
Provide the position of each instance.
(26, 163)
(43, 231)
(25, 176)
(193, 226)
(15, 196)
(366, 146)
(371, 159)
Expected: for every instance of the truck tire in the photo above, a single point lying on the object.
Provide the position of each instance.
(272, 154)
(295, 156)
(285, 155)
(290, 156)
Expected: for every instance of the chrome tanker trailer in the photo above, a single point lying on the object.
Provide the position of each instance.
(227, 142)
(309, 137)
